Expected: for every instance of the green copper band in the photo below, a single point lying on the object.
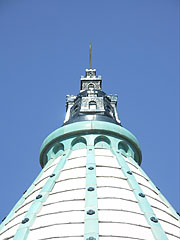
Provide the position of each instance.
(23, 230)
(85, 128)
(25, 195)
(155, 188)
(91, 226)
(144, 205)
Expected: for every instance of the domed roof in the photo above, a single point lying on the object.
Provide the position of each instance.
(91, 187)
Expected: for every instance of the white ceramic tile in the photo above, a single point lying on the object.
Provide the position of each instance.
(41, 183)
(49, 171)
(170, 228)
(149, 191)
(133, 168)
(156, 203)
(165, 216)
(78, 153)
(58, 217)
(106, 161)
(170, 237)
(103, 151)
(69, 195)
(75, 162)
(49, 167)
(10, 232)
(141, 179)
(72, 173)
(69, 184)
(121, 216)
(63, 206)
(16, 220)
(129, 160)
(118, 204)
(114, 182)
(23, 209)
(107, 171)
(115, 192)
(57, 231)
(125, 230)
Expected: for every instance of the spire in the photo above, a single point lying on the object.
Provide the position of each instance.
(90, 56)
(91, 103)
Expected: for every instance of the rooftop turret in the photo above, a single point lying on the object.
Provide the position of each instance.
(91, 103)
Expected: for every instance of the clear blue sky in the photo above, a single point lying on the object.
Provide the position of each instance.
(44, 47)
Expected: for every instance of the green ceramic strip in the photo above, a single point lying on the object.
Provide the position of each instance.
(22, 199)
(23, 230)
(84, 127)
(91, 226)
(155, 188)
(144, 205)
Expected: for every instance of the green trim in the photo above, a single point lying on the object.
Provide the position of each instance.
(87, 138)
(91, 225)
(155, 188)
(85, 128)
(23, 230)
(144, 205)
(22, 199)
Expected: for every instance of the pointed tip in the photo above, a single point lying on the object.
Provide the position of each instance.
(90, 55)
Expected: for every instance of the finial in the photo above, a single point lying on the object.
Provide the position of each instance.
(90, 55)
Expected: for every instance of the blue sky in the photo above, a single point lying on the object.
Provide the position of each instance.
(44, 49)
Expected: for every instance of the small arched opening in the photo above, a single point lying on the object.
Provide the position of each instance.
(91, 86)
(102, 142)
(58, 149)
(92, 105)
(123, 147)
(79, 143)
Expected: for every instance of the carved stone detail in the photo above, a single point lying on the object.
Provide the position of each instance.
(91, 99)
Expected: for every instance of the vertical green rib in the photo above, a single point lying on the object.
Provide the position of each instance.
(91, 226)
(23, 230)
(155, 188)
(22, 199)
(144, 205)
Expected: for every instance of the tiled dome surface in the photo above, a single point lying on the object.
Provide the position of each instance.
(67, 189)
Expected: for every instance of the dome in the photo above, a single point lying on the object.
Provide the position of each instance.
(91, 186)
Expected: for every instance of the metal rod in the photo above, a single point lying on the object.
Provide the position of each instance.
(90, 55)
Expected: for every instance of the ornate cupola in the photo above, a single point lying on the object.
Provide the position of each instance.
(91, 186)
(91, 103)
